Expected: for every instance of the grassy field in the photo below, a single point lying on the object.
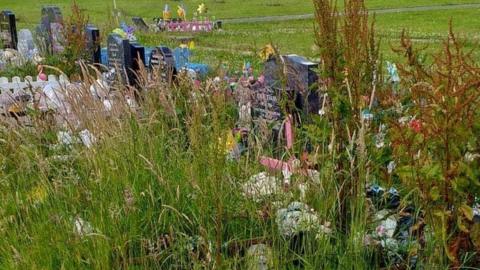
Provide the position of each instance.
(156, 191)
(291, 37)
(28, 11)
(425, 27)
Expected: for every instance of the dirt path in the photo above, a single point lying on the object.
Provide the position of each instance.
(377, 11)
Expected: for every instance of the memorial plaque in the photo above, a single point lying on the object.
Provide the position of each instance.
(8, 30)
(52, 28)
(162, 64)
(119, 56)
(140, 24)
(93, 44)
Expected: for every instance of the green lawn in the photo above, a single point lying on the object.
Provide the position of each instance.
(426, 27)
(28, 11)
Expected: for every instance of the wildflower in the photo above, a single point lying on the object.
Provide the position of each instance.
(181, 13)
(416, 125)
(202, 9)
(267, 52)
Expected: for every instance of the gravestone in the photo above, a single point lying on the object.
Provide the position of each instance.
(140, 24)
(8, 30)
(52, 28)
(162, 64)
(93, 44)
(266, 104)
(138, 59)
(266, 99)
(119, 56)
(301, 78)
(26, 44)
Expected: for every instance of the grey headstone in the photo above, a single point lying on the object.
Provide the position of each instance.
(52, 28)
(140, 24)
(26, 44)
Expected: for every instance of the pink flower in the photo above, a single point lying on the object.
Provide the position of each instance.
(416, 125)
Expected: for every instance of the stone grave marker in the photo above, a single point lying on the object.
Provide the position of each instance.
(119, 56)
(138, 60)
(26, 44)
(301, 78)
(8, 30)
(162, 64)
(93, 44)
(52, 28)
(140, 24)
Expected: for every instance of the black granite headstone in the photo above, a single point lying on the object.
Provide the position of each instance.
(301, 78)
(52, 28)
(138, 54)
(119, 56)
(162, 64)
(8, 30)
(93, 44)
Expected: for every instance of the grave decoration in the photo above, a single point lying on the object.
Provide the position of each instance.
(51, 29)
(129, 32)
(162, 64)
(93, 44)
(397, 231)
(182, 62)
(8, 30)
(200, 23)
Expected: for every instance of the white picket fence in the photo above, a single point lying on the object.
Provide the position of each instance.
(10, 89)
(17, 85)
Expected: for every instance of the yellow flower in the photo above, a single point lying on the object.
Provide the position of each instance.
(202, 9)
(181, 13)
(191, 45)
(267, 51)
(38, 194)
(229, 143)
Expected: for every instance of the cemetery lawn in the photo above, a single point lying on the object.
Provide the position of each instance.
(29, 10)
(425, 27)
